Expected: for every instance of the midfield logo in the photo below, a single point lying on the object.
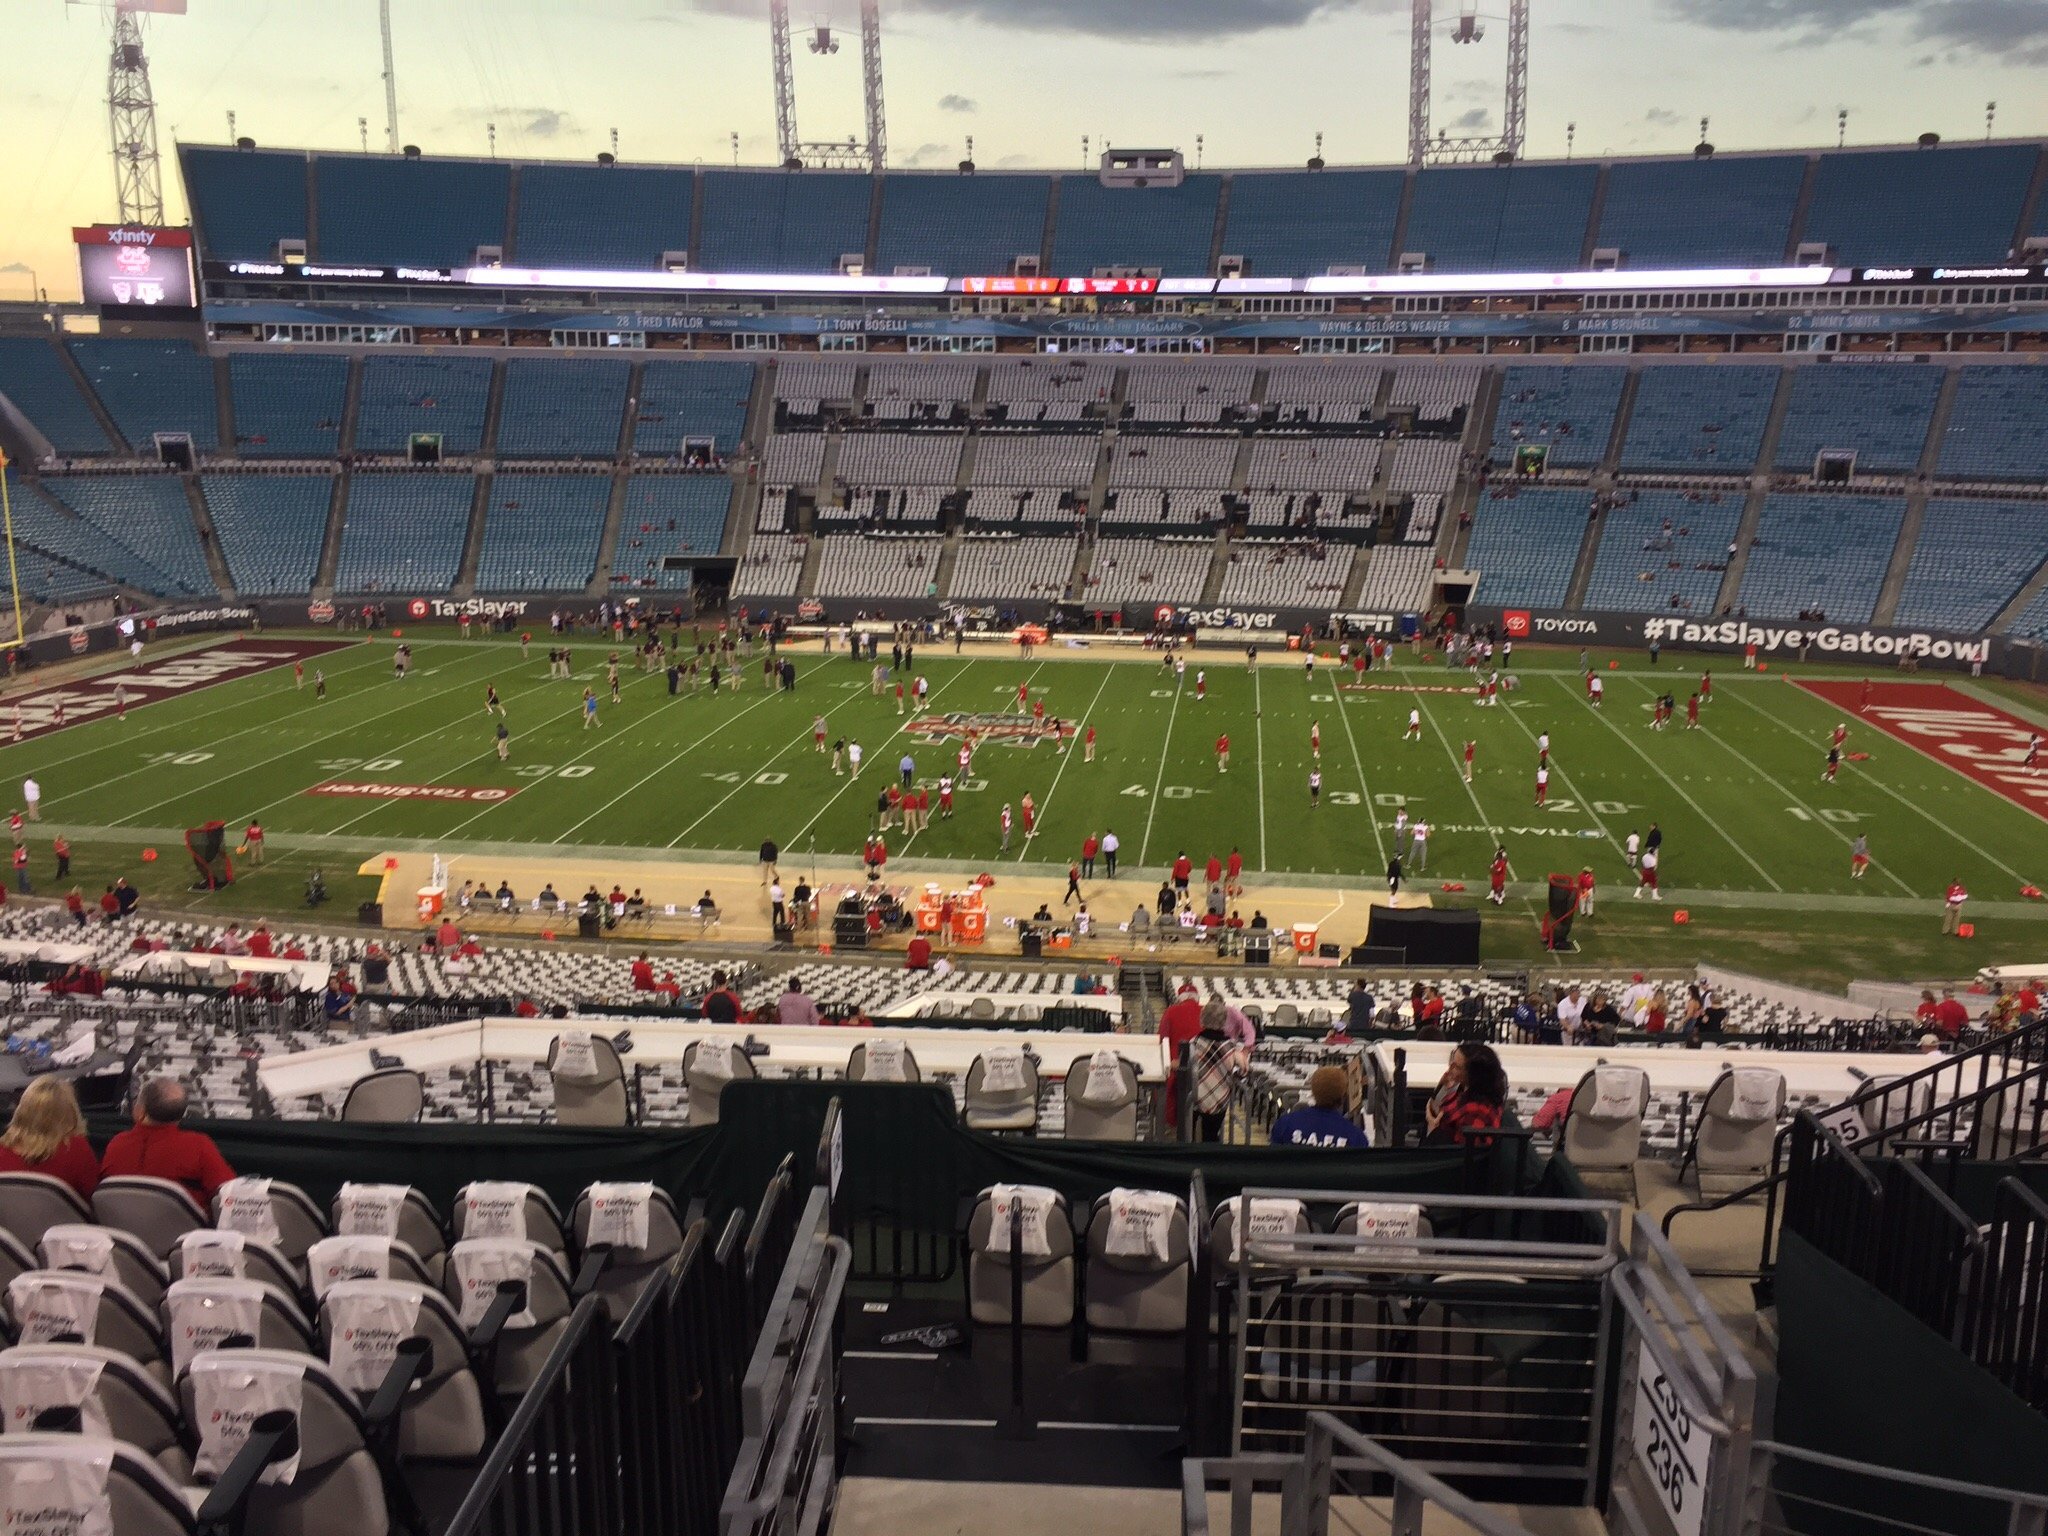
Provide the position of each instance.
(1013, 730)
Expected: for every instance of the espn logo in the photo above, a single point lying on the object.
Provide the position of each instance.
(1515, 623)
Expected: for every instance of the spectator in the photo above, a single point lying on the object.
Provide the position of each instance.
(339, 1000)
(1322, 1121)
(1571, 1008)
(74, 903)
(47, 1136)
(159, 1147)
(110, 906)
(376, 970)
(261, 945)
(1601, 1023)
(1470, 1097)
(917, 955)
(721, 1004)
(1179, 1023)
(643, 974)
(1950, 1016)
(1359, 1007)
(795, 1007)
(126, 896)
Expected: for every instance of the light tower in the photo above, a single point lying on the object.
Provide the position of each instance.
(1469, 28)
(849, 153)
(131, 121)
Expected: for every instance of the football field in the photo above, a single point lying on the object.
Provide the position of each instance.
(1746, 820)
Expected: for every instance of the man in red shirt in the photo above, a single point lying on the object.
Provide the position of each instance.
(159, 1147)
(643, 974)
(1183, 872)
(1089, 846)
(1214, 869)
(1223, 754)
(1178, 1024)
(1950, 1016)
(1234, 869)
(261, 945)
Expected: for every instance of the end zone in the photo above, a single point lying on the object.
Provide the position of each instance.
(1980, 741)
(43, 710)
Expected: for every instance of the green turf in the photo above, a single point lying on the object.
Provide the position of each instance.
(1750, 833)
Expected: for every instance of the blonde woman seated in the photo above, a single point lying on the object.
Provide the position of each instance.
(47, 1136)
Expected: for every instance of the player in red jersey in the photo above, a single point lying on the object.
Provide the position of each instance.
(1088, 746)
(1827, 775)
(1233, 872)
(1030, 810)
(1863, 704)
(1315, 738)
(1470, 748)
(1038, 713)
(1706, 687)
(1839, 737)
(946, 799)
(1023, 697)
(1542, 785)
(1692, 713)
(1223, 754)
(1497, 878)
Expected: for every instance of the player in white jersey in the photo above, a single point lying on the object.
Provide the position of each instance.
(1631, 849)
(1414, 731)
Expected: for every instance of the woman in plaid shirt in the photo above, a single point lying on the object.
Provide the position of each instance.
(1470, 1097)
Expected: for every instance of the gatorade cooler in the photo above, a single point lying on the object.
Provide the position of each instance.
(927, 918)
(970, 926)
(431, 897)
(1304, 938)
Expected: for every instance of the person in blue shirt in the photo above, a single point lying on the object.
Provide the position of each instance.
(1320, 1122)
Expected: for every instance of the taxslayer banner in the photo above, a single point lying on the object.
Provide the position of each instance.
(1775, 639)
(115, 634)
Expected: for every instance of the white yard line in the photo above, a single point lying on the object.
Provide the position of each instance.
(831, 800)
(1631, 744)
(355, 729)
(1924, 815)
(1259, 754)
(1165, 743)
(1074, 750)
(1457, 767)
(1372, 811)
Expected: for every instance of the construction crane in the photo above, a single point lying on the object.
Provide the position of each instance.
(849, 154)
(1469, 27)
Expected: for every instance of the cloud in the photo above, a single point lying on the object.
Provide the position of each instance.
(2012, 32)
(927, 155)
(547, 123)
(1019, 162)
(1198, 74)
(950, 102)
(1471, 120)
(1148, 21)
(1663, 117)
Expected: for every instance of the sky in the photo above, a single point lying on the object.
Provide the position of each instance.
(1254, 80)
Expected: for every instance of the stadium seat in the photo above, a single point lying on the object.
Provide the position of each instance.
(1168, 227)
(1048, 1267)
(271, 529)
(1664, 551)
(112, 1392)
(208, 1251)
(628, 1267)
(271, 1211)
(443, 1416)
(1972, 559)
(333, 1260)
(1101, 1094)
(541, 532)
(781, 221)
(1707, 420)
(1727, 211)
(16, 1258)
(129, 1493)
(1011, 1102)
(150, 387)
(393, 1211)
(401, 396)
(1512, 218)
(597, 1096)
(1569, 411)
(1302, 223)
(1737, 1127)
(1879, 413)
(680, 402)
(287, 404)
(147, 514)
(336, 1488)
(1920, 207)
(615, 218)
(476, 1268)
(1603, 1126)
(536, 1217)
(107, 1251)
(244, 201)
(1993, 430)
(1525, 543)
(961, 226)
(32, 1203)
(1821, 552)
(707, 1069)
(34, 380)
(155, 1210)
(213, 1312)
(400, 211)
(562, 408)
(66, 1306)
(904, 1068)
(1140, 1270)
(404, 531)
(392, 1096)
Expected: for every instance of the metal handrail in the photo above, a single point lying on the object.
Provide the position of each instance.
(472, 1515)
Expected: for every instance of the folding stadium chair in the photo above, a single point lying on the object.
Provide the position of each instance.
(1003, 1108)
(64, 1306)
(155, 1210)
(407, 1215)
(211, 1312)
(392, 1096)
(1049, 1277)
(362, 1323)
(477, 1267)
(862, 1068)
(707, 1072)
(121, 1489)
(1141, 1284)
(538, 1218)
(14, 1258)
(106, 1251)
(271, 1211)
(1101, 1106)
(1603, 1126)
(30, 1203)
(207, 1251)
(627, 1267)
(598, 1097)
(1737, 1127)
(335, 1488)
(112, 1393)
